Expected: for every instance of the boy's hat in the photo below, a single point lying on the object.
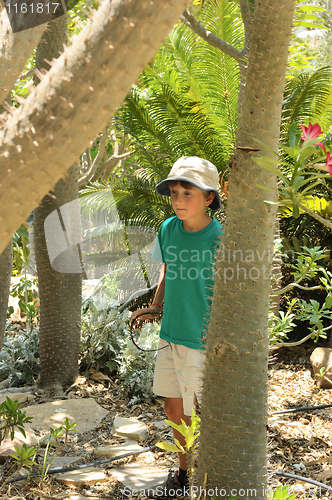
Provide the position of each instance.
(197, 171)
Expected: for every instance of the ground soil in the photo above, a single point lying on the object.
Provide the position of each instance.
(299, 443)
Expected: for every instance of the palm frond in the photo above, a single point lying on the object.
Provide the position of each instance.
(306, 98)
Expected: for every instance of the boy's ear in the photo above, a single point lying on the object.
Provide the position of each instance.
(210, 198)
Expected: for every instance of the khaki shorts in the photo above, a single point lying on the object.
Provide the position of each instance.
(178, 373)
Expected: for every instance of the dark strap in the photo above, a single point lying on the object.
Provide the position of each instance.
(133, 338)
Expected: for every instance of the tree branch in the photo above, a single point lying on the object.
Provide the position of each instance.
(93, 165)
(307, 210)
(246, 18)
(15, 50)
(188, 19)
(290, 344)
(76, 98)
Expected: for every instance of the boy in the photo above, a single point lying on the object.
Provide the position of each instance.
(186, 246)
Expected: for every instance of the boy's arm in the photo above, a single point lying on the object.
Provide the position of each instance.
(156, 306)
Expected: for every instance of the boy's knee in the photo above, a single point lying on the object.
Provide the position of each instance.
(174, 409)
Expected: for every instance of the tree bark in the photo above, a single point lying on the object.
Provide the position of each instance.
(74, 101)
(60, 297)
(234, 408)
(15, 50)
(60, 294)
(6, 264)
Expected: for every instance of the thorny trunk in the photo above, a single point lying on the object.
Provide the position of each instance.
(60, 294)
(74, 101)
(234, 409)
(15, 50)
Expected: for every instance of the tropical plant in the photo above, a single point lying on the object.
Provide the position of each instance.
(185, 103)
(299, 178)
(11, 418)
(107, 347)
(19, 358)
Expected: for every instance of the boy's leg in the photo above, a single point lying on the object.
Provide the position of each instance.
(174, 412)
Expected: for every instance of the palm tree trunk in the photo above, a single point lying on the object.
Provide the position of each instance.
(234, 409)
(6, 263)
(60, 293)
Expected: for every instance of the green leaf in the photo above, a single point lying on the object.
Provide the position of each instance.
(291, 151)
(265, 163)
(307, 24)
(296, 211)
(167, 446)
(265, 188)
(310, 8)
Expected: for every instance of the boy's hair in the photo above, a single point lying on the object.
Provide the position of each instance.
(187, 185)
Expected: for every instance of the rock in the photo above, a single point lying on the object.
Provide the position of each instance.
(116, 450)
(5, 384)
(20, 397)
(85, 412)
(64, 462)
(136, 477)
(7, 445)
(88, 475)
(130, 428)
(160, 424)
(321, 357)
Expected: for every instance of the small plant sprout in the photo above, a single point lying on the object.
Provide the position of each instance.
(11, 418)
(68, 427)
(189, 432)
(322, 374)
(25, 456)
(281, 493)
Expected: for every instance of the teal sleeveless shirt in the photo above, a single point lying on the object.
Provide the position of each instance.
(189, 280)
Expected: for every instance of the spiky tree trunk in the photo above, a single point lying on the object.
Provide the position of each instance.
(6, 262)
(76, 99)
(15, 50)
(234, 411)
(60, 294)
(60, 297)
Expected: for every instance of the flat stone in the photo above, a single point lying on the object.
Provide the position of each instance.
(136, 477)
(88, 475)
(321, 357)
(111, 451)
(7, 445)
(85, 412)
(20, 397)
(160, 424)
(64, 461)
(130, 428)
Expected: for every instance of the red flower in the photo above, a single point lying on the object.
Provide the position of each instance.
(312, 132)
(329, 163)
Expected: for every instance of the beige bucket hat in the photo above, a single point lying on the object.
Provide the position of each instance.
(199, 172)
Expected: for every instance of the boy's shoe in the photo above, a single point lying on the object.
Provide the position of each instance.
(170, 488)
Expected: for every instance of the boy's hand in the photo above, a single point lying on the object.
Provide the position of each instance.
(147, 313)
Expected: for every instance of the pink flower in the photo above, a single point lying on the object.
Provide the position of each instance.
(312, 132)
(329, 163)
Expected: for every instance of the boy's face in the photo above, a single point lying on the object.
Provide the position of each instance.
(189, 203)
